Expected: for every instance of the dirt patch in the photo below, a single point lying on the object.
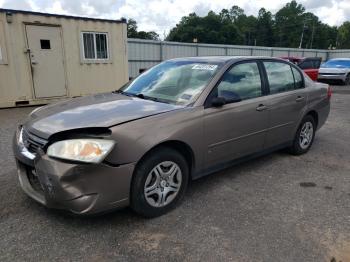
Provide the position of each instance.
(336, 246)
(338, 250)
(148, 242)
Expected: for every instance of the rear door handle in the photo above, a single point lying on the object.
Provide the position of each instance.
(299, 99)
(261, 107)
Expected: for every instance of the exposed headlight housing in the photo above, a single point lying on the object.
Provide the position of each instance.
(85, 150)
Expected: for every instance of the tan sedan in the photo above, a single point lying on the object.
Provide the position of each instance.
(180, 120)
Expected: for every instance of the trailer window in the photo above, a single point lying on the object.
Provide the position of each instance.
(95, 46)
(45, 44)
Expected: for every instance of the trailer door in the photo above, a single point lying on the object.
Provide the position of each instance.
(47, 60)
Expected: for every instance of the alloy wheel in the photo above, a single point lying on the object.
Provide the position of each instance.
(306, 135)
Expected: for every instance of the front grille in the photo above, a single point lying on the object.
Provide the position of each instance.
(32, 142)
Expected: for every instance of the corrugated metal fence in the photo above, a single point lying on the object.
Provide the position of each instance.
(145, 53)
(345, 53)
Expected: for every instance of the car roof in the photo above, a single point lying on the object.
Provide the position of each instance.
(222, 59)
(292, 57)
(344, 59)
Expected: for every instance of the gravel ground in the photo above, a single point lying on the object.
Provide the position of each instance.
(276, 208)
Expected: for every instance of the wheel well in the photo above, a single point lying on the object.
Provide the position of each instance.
(181, 147)
(314, 115)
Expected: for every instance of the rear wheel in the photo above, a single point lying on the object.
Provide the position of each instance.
(159, 182)
(304, 136)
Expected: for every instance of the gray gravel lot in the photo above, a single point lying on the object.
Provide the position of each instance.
(276, 208)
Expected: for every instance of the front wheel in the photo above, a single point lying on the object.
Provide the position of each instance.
(159, 182)
(304, 136)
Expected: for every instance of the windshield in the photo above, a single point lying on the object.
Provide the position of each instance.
(337, 64)
(175, 82)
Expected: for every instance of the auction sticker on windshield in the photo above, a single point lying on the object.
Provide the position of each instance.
(205, 67)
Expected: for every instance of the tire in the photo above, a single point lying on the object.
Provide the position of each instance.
(303, 140)
(159, 182)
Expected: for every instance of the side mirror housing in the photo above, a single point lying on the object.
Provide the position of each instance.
(218, 101)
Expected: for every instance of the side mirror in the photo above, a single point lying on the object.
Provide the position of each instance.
(218, 101)
(233, 100)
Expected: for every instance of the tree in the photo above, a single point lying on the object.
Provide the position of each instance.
(131, 28)
(264, 28)
(151, 35)
(188, 29)
(235, 13)
(344, 35)
(213, 28)
(284, 29)
(133, 33)
(292, 23)
(247, 27)
(289, 24)
(228, 27)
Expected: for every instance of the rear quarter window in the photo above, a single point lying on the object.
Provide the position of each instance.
(308, 80)
(298, 78)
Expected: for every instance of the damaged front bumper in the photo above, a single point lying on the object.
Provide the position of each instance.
(79, 188)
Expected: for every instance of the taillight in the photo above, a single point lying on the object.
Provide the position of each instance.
(329, 92)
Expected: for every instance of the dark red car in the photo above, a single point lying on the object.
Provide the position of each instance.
(309, 65)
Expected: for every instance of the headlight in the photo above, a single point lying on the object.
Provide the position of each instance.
(84, 150)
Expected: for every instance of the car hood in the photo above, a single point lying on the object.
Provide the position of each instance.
(333, 70)
(102, 110)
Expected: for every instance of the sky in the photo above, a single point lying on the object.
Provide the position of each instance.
(161, 15)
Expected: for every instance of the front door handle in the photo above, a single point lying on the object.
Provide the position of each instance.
(299, 99)
(261, 107)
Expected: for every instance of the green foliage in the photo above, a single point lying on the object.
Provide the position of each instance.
(265, 33)
(289, 24)
(133, 33)
(344, 35)
(212, 28)
(283, 29)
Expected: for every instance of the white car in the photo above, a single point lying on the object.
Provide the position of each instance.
(337, 69)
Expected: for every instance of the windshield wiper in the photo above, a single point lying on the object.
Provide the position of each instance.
(123, 93)
(140, 95)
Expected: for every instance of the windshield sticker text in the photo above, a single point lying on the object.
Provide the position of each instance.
(204, 67)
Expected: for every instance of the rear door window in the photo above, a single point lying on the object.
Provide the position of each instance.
(307, 64)
(317, 63)
(280, 77)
